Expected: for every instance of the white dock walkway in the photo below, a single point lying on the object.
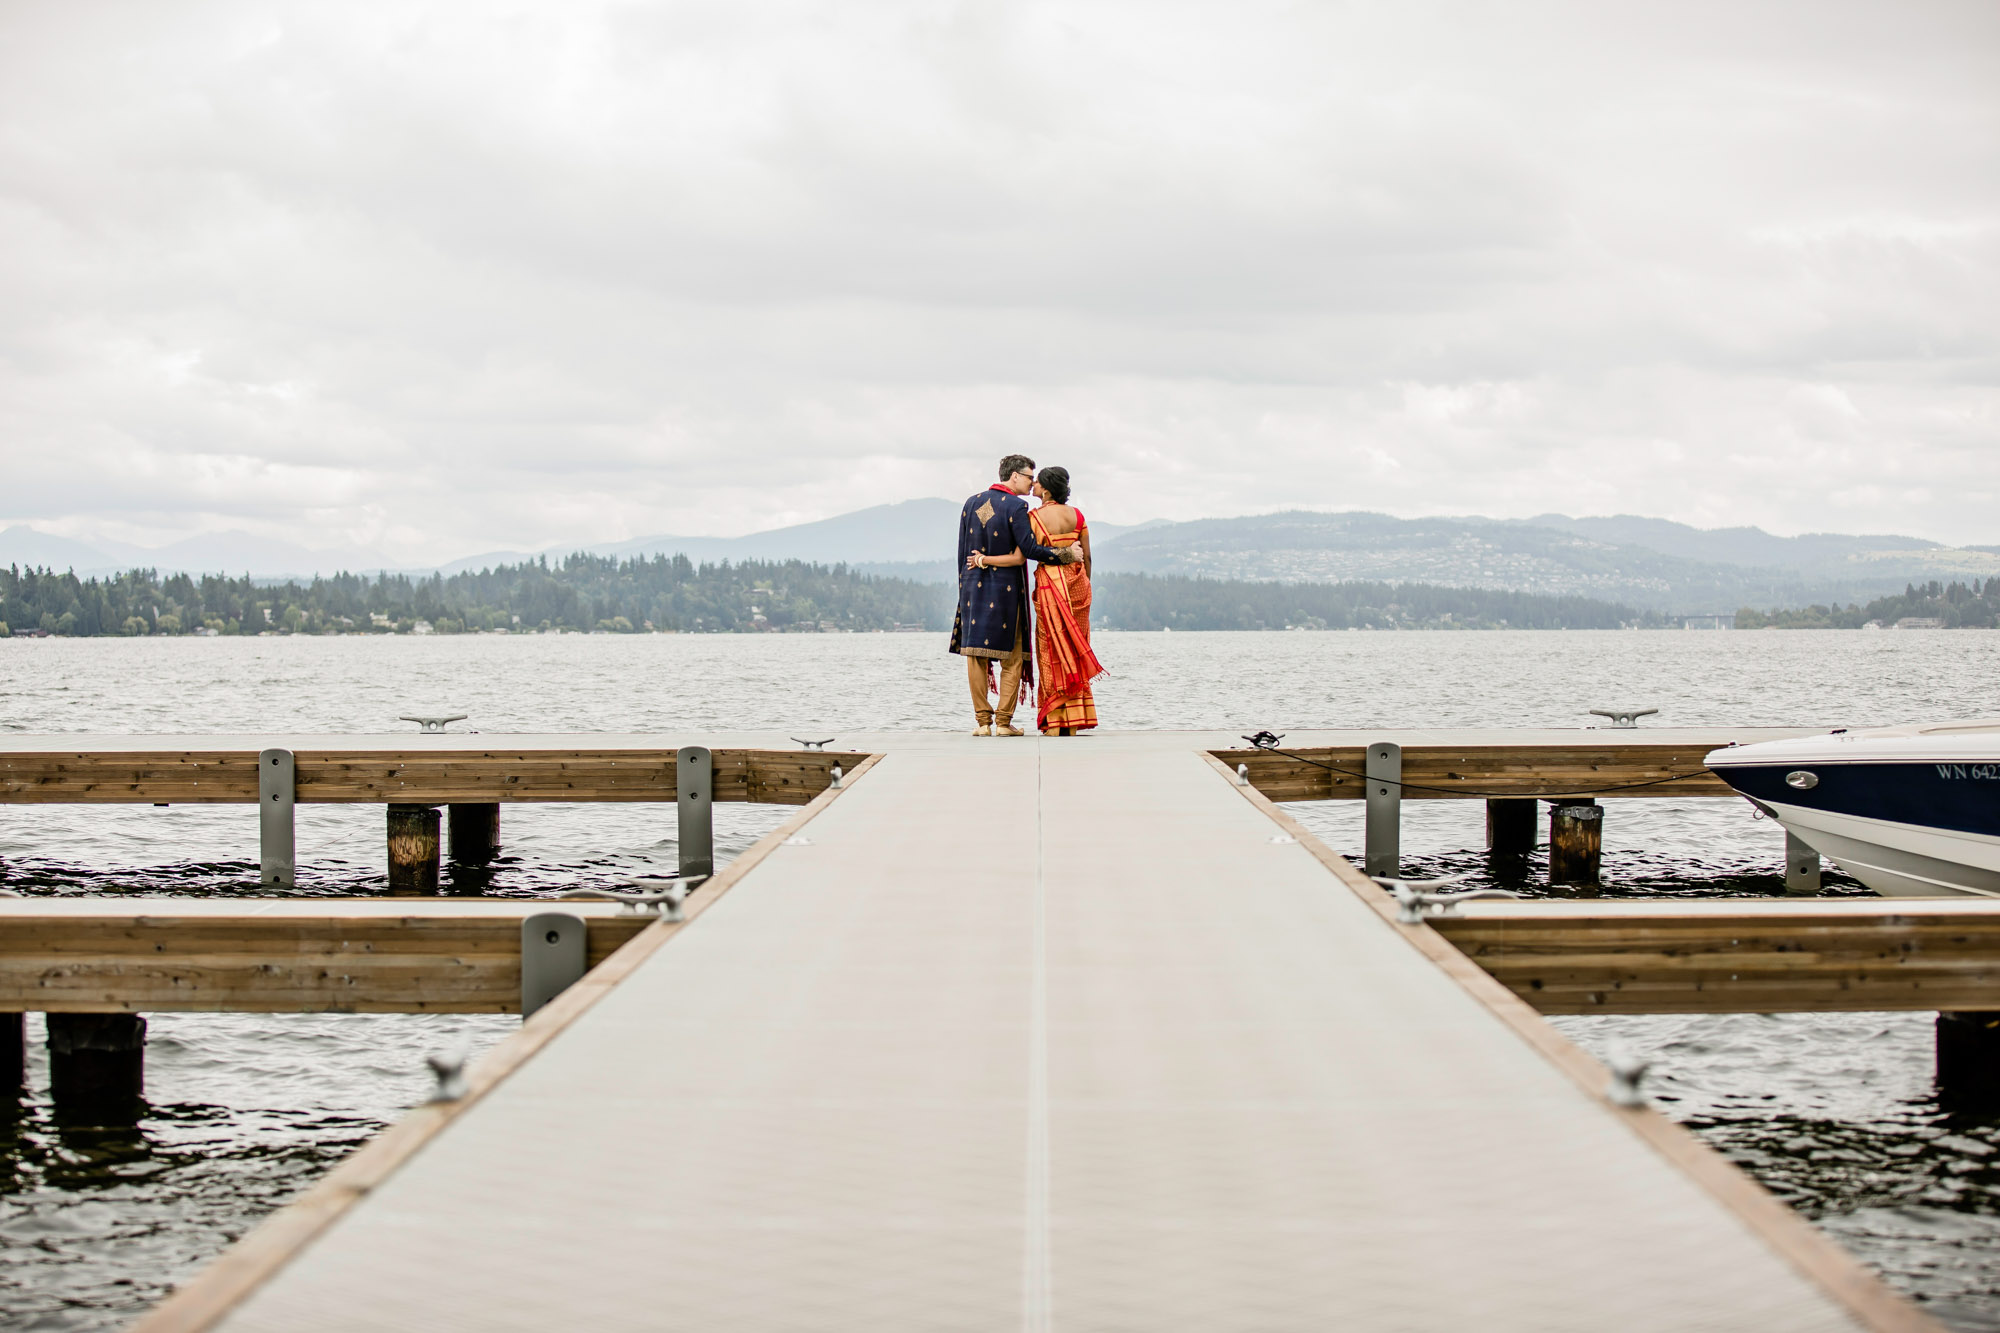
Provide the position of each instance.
(1023, 1034)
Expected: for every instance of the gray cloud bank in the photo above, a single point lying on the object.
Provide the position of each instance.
(432, 279)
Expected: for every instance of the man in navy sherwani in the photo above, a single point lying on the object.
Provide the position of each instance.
(992, 623)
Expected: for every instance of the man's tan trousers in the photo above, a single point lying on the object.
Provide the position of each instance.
(1002, 713)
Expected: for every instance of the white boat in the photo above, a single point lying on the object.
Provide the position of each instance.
(1912, 812)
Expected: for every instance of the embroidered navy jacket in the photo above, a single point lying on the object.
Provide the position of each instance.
(993, 603)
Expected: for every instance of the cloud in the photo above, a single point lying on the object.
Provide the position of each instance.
(443, 278)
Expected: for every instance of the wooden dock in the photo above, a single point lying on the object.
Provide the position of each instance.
(1512, 764)
(468, 767)
(276, 956)
(449, 768)
(1036, 1034)
(1737, 956)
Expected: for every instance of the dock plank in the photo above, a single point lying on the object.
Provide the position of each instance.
(415, 774)
(1570, 767)
(1734, 957)
(353, 958)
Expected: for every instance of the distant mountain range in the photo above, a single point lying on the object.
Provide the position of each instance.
(907, 535)
(1644, 562)
(211, 553)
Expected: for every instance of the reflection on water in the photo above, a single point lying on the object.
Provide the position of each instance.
(242, 1112)
(93, 1218)
(1835, 1112)
(1838, 1115)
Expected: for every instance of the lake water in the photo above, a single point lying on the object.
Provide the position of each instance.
(1836, 1113)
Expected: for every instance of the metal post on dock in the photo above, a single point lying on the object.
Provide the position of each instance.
(475, 832)
(1383, 839)
(553, 957)
(277, 838)
(97, 1066)
(1801, 866)
(694, 789)
(1576, 842)
(413, 849)
(1510, 826)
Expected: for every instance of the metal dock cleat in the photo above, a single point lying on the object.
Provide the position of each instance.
(650, 895)
(450, 1071)
(1417, 899)
(431, 724)
(1628, 1071)
(1623, 719)
(813, 745)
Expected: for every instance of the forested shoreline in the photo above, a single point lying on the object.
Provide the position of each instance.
(669, 594)
(1154, 601)
(585, 593)
(580, 594)
(1974, 605)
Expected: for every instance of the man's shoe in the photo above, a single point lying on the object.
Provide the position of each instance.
(982, 730)
(1007, 729)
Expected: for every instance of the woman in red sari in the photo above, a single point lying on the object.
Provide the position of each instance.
(1064, 664)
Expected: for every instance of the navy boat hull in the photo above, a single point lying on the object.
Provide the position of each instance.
(1908, 811)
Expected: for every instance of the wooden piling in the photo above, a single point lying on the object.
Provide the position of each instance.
(413, 849)
(97, 1066)
(1576, 842)
(475, 833)
(1968, 1059)
(13, 1053)
(1510, 827)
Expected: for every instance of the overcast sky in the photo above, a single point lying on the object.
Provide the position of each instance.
(437, 278)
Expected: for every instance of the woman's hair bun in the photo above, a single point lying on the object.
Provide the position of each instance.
(1055, 480)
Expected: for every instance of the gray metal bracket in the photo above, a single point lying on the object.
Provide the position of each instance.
(553, 955)
(1383, 844)
(277, 836)
(694, 788)
(1623, 719)
(1801, 866)
(432, 723)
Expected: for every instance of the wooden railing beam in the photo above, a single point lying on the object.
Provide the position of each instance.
(1723, 956)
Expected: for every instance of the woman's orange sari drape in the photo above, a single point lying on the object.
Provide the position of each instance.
(1063, 660)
